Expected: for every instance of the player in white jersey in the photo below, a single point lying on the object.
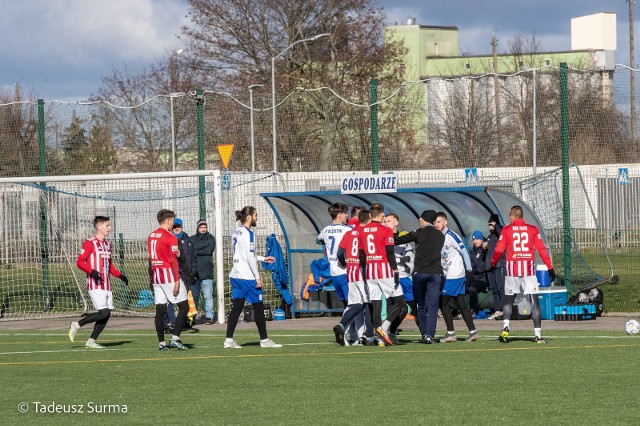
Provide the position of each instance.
(330, 237)
(246, 283)
(455, 264)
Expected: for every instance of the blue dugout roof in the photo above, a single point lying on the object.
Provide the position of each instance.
(302, 215)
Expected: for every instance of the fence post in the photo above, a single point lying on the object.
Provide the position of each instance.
(44, 234)
(373, 101)
(566, 199)
(201, 182)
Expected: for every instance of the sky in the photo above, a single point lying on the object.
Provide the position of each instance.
(62, 49)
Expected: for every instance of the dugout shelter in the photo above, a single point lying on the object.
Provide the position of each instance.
(302, 215)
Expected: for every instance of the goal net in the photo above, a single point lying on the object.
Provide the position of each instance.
(45, 220)
(590, 262)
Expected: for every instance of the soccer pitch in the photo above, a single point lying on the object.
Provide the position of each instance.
(578, 377)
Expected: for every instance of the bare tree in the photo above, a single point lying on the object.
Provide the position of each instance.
(235, 40)
(18, 133)
(141, 121)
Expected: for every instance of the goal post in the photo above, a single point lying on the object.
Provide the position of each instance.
(45, 219)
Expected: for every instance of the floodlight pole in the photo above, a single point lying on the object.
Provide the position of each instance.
(273, 95)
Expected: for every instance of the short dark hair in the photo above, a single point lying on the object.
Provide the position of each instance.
(442, 215)
(99, 220)
(165, 214)
(241, 215)
(364, 215)
(394, 216)
(337, 208)
(376, 209)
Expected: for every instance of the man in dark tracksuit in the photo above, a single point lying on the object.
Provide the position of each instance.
(427, 272)
(479, 282)
(495, 277)
(186, 266)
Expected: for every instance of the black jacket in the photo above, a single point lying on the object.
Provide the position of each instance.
(478, 265)
(429, 242)
(187, 257)
(492, 241)
(205, 245)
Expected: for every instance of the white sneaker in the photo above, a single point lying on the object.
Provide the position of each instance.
(93, 345)
(232, 345)
(495, 315)
(269, 344)
(73, 329)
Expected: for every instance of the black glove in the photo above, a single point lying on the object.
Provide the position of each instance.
(406, 259)
(396, 279)
(552, 275)
(470, 277)
(491, 268)
(96, 276)
(124, 279)
(407, 270)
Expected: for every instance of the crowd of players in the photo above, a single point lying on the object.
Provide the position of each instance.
(372, 265)
(426, 270)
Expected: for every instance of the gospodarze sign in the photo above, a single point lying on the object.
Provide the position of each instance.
(359, 184)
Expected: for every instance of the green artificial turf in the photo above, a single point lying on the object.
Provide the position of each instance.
(576, 378)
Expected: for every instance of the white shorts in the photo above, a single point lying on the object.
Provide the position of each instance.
(102, 299)
(517, 285)
(386, 286)
(357, 293)
(163, 293)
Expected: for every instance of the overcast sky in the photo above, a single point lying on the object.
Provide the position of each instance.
(61, 49)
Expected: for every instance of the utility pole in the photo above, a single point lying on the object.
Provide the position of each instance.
(632, 76)
(496, 88)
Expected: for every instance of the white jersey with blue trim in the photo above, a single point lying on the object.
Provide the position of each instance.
(245, 261)
(331, 236)
(455, 258)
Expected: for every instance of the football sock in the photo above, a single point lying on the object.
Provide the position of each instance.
(466, 314)
(261, 323)
(377, 313)
(183, 310)
(535, 311)
(91, 340)
(396, 323)
(234, 316)
(395, 307)
(101, 322)
(161, 309)
(174, 337)
(507, 308)
(537, 332)
(163, 343)
(505, 323)
(385, 325)
(446, 313)
(228, 340)
(350, 314)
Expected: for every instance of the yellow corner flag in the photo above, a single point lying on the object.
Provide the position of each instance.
(225, 151)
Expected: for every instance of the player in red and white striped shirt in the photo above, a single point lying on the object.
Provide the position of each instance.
(376, 244)
(520, 240)
(165, 277)
(358, 295)
(95, 260)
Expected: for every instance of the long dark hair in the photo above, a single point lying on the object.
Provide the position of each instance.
(241, 215)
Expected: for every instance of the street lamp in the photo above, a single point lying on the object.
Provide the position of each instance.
(253, 155)
(172, 72)
(273, 93)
